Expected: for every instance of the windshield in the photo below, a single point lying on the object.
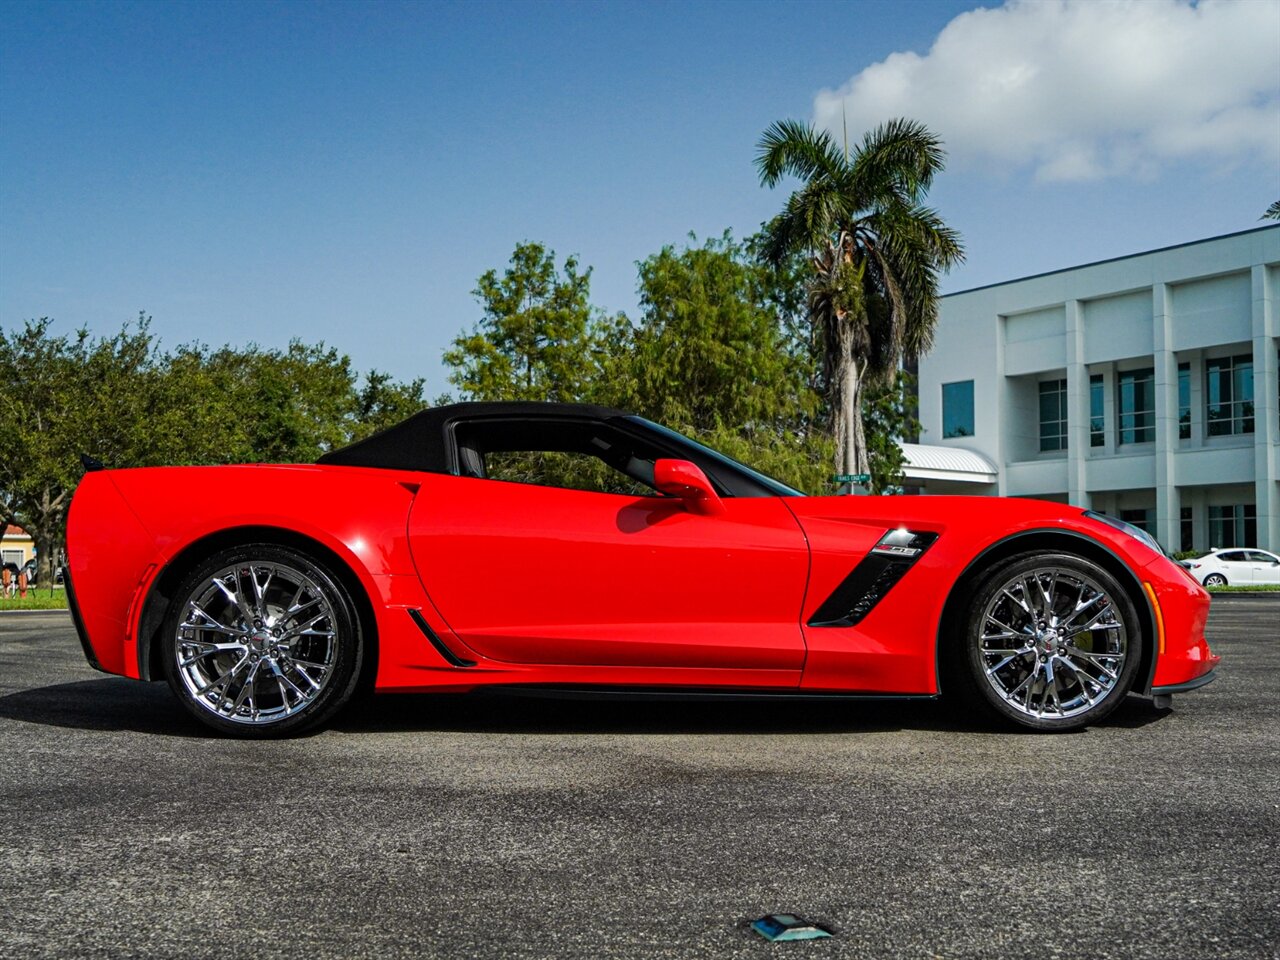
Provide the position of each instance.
(776, 486)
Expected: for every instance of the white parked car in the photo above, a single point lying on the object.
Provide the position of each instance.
(1235, 566)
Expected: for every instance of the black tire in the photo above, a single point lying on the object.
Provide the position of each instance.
(1215, 580)
(290, 629)
(1067, 677)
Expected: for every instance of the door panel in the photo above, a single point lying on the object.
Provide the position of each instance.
(1237, 568)
(531, 574)
(1265, 569)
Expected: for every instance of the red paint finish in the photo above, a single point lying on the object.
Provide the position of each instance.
(1184, 605)
(527, 574)
(543, 585)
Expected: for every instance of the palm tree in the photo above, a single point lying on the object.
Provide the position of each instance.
(1273, 212)
(875, 250)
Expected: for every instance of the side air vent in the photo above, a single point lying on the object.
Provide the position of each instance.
(883, 566)
(435, 641)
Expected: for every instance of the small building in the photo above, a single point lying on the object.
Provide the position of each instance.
(16, 547)
(1144, 387)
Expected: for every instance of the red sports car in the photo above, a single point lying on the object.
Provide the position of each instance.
(575, 548)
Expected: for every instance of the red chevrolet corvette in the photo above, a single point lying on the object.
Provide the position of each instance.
(567, 547)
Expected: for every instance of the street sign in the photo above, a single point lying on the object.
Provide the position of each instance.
(851, 478)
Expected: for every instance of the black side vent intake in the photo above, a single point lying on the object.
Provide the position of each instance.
(436, 642)
(886, 564)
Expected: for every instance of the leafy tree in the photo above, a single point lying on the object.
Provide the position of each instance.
(65, 396)
(723, 350)
(712, 357)
(539, 337)
(874, 249)
(123, 401)
(383, 402)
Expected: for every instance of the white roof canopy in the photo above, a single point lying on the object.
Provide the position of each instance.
(931, 462)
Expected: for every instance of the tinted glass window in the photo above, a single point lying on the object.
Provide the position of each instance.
(1136, 406)
(1053, 415)
(1184, 401)
(957, 409)
(1097, 420)
(1229, 395)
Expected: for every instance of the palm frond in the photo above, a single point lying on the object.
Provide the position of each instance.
(899, 157)
(790, 147)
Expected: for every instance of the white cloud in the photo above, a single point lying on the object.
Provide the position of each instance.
(1084, 89)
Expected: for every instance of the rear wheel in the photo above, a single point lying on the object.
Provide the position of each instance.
(262, 641)
(1215, 580)
(1051, 642)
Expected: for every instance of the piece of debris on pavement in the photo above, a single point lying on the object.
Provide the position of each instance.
(787, 926)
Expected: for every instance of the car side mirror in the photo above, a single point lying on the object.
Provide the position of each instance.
(685, 480)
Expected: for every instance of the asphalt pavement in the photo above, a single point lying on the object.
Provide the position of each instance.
(483, 827)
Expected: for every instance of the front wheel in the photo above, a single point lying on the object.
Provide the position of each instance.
(1051, 642)
(262, 641)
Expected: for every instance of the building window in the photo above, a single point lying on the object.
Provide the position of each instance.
(957, 409)
(1097, 420)
(1184, 403)
(1229, 395)
(1187, 530)
(1136, 406)
(1235, 525)
(1139, 518)
(1053, 415)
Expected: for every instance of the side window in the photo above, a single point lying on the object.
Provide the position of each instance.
(1257, 556)
(568, 454)
(1231, 556)
(560, 468)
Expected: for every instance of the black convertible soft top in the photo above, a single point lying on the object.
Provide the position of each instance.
(422, 441)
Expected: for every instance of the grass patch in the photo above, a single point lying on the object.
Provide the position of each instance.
(36, 600)
(1247, 588)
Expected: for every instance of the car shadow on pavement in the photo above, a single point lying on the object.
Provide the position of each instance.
(504, 713)
(150, 708)
(104, 704)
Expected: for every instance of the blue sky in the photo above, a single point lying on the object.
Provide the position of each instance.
(256, 172)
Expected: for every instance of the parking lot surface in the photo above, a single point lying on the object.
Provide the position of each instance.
(486, 827)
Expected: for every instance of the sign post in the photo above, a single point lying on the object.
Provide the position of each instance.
(852, 483)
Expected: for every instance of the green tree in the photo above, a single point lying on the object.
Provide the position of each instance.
(539, 337)
(1272, 212)
(383, 402)
(874, 250)
(712, 356)
(123, 401)
(66, 396)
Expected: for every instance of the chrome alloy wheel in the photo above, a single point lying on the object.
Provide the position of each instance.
(1052, 643)
(256, 642)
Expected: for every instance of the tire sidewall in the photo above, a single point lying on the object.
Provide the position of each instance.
(347, 654)
(974, 670)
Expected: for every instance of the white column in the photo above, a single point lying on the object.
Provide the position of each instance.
(1166, 385)
(1266, 430)
(1077, 408)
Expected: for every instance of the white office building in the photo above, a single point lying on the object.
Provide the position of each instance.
(1143, 386)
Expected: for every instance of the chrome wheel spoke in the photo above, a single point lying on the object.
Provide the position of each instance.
(260, 590)
(207, 650)
(222, 679)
